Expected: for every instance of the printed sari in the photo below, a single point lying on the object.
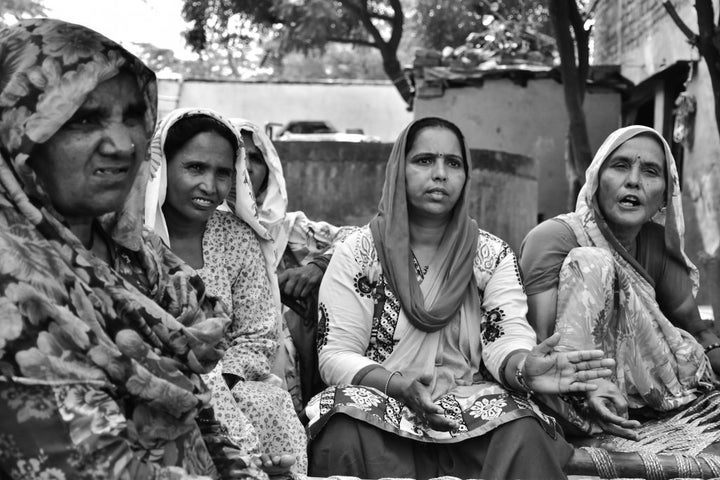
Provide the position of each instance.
(100, 364)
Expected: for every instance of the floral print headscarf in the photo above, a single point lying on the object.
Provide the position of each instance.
(47, 69)
(140, 331)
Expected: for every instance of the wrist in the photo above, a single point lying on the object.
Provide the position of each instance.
(521, 376)
(392, 384)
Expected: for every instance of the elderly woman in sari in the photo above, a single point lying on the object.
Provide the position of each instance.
(196, 155)
(424, 338)
(613, 275)
(304, 249)
(105, 333)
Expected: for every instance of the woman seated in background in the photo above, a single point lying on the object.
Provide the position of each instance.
(304, 248)
(613, 275)
(424, 340)
(196, 155)
(104, 331)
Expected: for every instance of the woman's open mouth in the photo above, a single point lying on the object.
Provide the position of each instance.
(202, 202)
(630, 201)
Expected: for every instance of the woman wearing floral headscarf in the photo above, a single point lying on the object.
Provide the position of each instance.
(613, 275)
(193, 155)
(424, 340)
(105, 332)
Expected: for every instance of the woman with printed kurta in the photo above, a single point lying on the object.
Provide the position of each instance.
(424, 340)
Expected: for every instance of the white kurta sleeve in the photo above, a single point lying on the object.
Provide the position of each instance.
(345, 316)
(504, 326)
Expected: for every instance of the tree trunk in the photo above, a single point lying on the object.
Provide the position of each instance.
(395, 73)
(573, 78)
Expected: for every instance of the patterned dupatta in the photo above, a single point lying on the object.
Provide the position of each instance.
(141, 328)
(644, 337)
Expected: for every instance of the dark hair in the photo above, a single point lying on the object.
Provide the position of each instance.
(186, 128)
(435, 122)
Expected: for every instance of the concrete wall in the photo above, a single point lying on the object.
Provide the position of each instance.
(527, 120)
(639, 35)
(377, 108)
(342, 183)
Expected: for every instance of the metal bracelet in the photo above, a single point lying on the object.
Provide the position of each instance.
(520, 376)
(387, 382)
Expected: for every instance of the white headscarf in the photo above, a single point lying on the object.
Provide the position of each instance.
(274, 200)
(671, 217)
(245, 205)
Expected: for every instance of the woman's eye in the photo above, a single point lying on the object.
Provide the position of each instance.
(84, 121)
(454, 163)
(195, 168)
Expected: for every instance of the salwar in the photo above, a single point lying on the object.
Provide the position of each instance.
(517, 449)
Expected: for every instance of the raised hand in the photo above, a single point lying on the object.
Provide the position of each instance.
(548, 371)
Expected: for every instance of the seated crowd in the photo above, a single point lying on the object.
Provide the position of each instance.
(163, 316)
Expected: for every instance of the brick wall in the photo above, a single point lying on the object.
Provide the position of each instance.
(632, 18)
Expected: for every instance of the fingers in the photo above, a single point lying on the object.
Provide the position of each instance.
(619, 431)
(441, 423)
(585, 375)
(546, 346)
(583, 355)
(595, 364)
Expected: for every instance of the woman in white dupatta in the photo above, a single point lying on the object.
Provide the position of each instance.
(424, 340)
(234, 255)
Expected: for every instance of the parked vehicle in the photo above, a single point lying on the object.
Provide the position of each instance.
(315, 131)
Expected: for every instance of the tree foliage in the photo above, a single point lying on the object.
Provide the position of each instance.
(442, 23)
(307, 25)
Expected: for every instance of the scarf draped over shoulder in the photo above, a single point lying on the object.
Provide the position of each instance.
(140, 328)
(390, 231)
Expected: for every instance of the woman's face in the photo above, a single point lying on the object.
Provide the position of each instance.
(199, 178)
(631, 185)
(88, 166)
(256, 166)
(434, 173)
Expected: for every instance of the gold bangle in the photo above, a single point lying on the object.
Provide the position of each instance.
(387, 382)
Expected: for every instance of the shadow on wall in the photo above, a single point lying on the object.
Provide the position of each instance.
(342, 183)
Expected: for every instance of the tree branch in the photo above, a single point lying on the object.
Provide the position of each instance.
(353, 41)
(582, 49)
(691, 36)
(364, 17)
(397, 24)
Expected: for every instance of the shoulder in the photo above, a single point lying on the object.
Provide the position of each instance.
(359, 245)
(553, 235)
(549, 230)
(492, 252)
(491, 248)
(228, 222)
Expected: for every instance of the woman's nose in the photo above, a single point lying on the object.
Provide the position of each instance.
(439, 170)
(633, 177)
(118, 141)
